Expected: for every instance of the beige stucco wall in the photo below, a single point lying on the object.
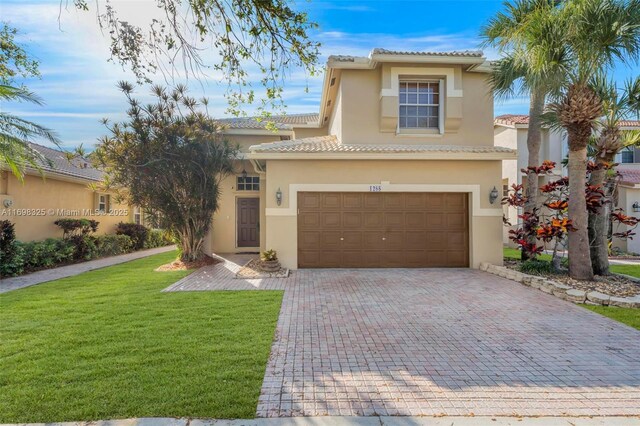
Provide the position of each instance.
(48, 200)
(477, 176)
(308, 132)
(360, 110)
(222, 237)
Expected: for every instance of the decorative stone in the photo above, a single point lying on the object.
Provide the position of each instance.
(625, 302)
(576, 296)
(559, 286)
(484, 266)
(598, 298)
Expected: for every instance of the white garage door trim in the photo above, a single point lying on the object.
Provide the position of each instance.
(294, 188)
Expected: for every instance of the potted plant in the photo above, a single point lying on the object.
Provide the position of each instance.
(269, 261)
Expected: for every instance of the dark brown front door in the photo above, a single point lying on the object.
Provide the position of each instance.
(382, 230)
(248, 214)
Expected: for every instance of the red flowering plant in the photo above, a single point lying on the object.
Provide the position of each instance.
(549, 223)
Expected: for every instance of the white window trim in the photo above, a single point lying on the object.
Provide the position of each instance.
(106, 202)
(422, 132)
(252, 183)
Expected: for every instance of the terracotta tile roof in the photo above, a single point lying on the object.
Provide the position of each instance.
(60, 164)
(629, 176)
(512, 119)
(466, 53)
(630, 123)
(380, 51)
(282, 122)
(331, 144)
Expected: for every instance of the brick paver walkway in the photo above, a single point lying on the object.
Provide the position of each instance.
(437, 342)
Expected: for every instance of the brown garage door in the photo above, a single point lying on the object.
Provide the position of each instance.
(382, 230)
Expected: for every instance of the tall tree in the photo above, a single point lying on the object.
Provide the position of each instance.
(171, 157)
(596, 33)
(266, 34)
(517, 33)
(15, 132)
(609, 140)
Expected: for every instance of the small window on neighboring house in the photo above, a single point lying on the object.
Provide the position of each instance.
(285, 138)
(249, 183)
(625, 156)
(103, 202)
(137, 215)
(419, 105)
(505, 190)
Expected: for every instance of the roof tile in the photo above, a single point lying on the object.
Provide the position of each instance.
(60, 164)
(331, 144)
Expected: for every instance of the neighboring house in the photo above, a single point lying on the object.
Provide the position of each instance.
(510, 130)
(61, 191)
(396, 170)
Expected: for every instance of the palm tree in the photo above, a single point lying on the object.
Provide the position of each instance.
(518, 34)
(596, 33)
(16, 134)
(605, 145)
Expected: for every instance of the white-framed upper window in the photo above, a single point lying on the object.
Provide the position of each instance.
(249, 183)
(625, 156)
(103, 202)
(137, 215)
(419, 102)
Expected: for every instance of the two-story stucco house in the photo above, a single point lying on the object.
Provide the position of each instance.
(510, 130)
(396, 170)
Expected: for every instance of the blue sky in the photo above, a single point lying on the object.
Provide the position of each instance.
(78, 84)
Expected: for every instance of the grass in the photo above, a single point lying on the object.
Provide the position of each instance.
(629, 316)
(107, 344)
(512, 253)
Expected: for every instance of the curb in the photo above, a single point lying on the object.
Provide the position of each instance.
(560, 290)
(362, 421)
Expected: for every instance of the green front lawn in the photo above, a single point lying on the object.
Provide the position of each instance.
(511, 253)
(107, 344)
(627, 316)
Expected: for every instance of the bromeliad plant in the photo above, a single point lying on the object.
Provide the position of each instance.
(548, 223)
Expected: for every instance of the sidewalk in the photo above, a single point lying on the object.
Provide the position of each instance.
(366, 421)
(9, 284)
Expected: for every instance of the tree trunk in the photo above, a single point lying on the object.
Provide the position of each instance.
(579, 255)
(190, 245)
(534, 138)
(599, 226)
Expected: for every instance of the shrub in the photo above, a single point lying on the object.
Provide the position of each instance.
(75, 227)
(536, 267)
(269, 255)
(11, 262)
(157, 238)
(112, 245)
(137, 233)
(47, 253)
(84, 247)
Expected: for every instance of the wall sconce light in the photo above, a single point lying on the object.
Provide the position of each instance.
(493, 195)
(278, 197)
(636, 207)
(244, 174)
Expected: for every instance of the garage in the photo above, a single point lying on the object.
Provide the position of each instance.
(382, 230)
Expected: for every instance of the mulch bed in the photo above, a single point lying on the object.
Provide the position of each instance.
(613, 285)
(252, 271)
(179, 265)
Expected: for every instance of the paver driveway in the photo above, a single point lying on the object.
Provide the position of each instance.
(437, 341)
